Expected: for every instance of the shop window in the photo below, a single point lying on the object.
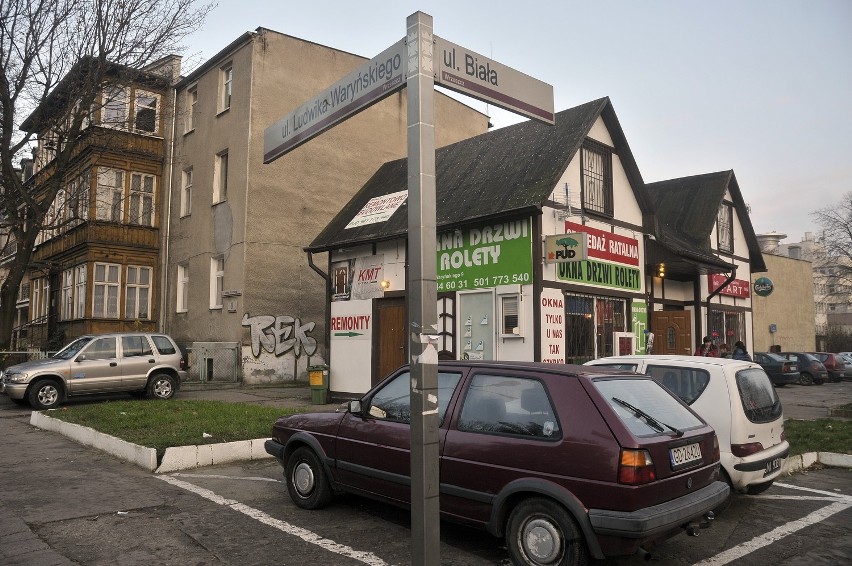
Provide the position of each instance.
(579, 328)
(596, 171)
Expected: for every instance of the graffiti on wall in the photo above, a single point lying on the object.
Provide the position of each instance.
(280, 335)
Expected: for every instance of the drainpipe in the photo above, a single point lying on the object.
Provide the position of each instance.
(716, 292)
(164, 278)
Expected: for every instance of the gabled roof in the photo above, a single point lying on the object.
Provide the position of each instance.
(506, 172)
(685, 212)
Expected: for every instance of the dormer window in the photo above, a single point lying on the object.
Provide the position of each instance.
(725, 228)
(596, 172)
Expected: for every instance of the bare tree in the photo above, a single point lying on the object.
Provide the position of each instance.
(57, 56)
(833, 261)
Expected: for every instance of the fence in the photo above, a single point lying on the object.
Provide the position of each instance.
(213, 362)
(10, 358)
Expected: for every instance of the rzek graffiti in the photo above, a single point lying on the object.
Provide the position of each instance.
(280, 334)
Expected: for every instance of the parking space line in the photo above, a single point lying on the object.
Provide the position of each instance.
(774, 535)
(219, 477)
(258, 515)
(833, 495)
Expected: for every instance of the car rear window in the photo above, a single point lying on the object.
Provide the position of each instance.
(685, 382)
(625, 366)
(650, 398)
(760, 402)
(501, 404)
(164, 345)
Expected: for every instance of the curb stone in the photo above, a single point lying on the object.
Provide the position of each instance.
(198, 456)
(174, 459)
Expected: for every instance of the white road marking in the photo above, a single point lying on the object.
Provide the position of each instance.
(220, 477)
(258, 515)
(840, 503)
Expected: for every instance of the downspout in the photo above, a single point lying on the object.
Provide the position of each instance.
(730, 278)
(164, 276)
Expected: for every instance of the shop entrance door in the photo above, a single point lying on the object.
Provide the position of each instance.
(391, 318)
(672, 332)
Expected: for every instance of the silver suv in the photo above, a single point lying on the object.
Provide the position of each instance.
(135, 362)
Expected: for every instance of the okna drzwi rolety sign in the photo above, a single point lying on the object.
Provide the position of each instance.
(485, 256)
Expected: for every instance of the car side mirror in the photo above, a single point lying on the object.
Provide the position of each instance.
(355, 407)
(81, 358)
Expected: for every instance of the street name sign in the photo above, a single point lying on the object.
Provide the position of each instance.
(468, 72)
(376, 79)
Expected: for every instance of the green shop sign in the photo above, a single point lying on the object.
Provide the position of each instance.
(485, 256)
(600, 273)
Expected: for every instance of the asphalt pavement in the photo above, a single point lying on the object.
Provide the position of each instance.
(59, 499)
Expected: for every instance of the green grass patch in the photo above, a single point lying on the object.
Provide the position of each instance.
(164, 424)
(823, 435)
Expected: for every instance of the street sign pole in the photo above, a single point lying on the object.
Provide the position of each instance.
(422, 294)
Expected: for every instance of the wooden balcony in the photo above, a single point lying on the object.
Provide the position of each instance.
(89, 233)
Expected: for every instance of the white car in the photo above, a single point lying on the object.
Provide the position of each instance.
(737, 399)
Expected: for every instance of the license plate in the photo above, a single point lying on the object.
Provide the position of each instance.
(772, 466)
(684, 454)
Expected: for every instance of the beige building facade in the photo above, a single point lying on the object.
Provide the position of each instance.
(235, 230)
(789, 309)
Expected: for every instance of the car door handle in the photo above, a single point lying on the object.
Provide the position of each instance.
(113, 364)
(152, 361)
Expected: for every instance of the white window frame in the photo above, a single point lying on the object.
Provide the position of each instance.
(191, 108)
(217, 281)
(186, 193)
(510, 305)
(135, 291)
(110, 194)
(220, 177)
(41, 298)
(182, 300)
(67, 308)
(80, 291)
(114, 107)
(226, 86)
(143, 100)
(110, 287)
(145, 191)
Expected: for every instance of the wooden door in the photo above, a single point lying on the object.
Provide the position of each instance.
(672, 332)
(390, 331)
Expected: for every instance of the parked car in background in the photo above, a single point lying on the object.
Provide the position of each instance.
(564, 461)
(136, 362)
(847, 357)
(780, 370)
(737, 399)
(810, 368)
(834, 364)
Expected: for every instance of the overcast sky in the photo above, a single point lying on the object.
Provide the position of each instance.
(763, 87)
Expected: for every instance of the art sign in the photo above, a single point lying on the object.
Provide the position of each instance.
(737, 288)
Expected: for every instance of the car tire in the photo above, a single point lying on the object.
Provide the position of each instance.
(757, 488)
(307, 482)
(45, 394)
(542, 532)
(161, 386)
(806, 379)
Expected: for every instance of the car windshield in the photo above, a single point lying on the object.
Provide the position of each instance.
(760, 402)
(652, 400)
(73, 348)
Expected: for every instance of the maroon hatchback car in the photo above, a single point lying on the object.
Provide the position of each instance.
(564, 461)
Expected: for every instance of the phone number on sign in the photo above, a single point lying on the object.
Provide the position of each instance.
(481, 282)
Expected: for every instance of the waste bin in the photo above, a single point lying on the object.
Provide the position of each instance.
(318, 376)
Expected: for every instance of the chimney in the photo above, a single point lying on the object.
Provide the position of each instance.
(769, 242)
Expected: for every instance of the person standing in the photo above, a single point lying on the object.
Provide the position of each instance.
(707, 348)
(740, 352)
